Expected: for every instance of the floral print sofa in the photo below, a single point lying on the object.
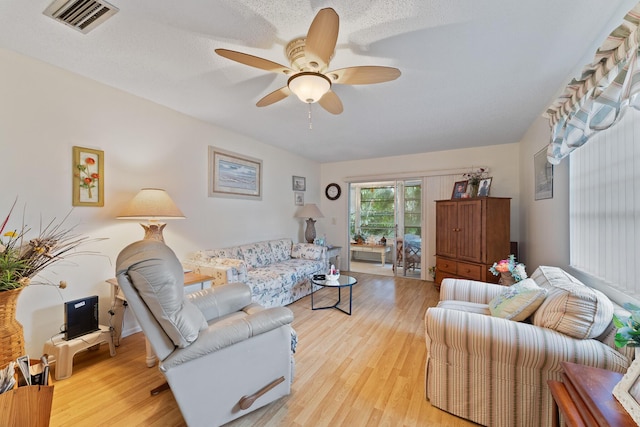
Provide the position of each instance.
(277, 271)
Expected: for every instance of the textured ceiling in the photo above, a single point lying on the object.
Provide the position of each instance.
(474, 72)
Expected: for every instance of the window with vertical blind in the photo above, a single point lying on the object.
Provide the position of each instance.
(605, 206)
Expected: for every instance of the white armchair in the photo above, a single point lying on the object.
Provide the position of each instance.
(222, 356)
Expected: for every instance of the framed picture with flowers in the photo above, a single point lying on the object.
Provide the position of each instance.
(88, 177)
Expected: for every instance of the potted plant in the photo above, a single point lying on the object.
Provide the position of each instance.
(22, 258)
(509, 270)
(473, 178)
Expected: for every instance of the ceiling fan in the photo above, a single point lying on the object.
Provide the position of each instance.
(309, 58)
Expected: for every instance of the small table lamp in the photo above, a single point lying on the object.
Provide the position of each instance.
(310, 211)
(152, 204)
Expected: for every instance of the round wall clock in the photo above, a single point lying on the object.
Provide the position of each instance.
(333, 191)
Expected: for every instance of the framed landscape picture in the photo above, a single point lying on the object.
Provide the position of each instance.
(234, 175)
(88, 177)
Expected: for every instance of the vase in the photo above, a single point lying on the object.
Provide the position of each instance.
(473, 190)
(506, 279)
(11, 332)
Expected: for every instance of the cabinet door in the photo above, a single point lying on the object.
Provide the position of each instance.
(470, 230)
(446, 229)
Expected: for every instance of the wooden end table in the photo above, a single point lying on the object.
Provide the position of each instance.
(584, 398)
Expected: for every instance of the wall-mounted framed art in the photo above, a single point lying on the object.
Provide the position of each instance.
(298, 198)
(234, 175)
(543, 171)
(299, 183)
(88, 177)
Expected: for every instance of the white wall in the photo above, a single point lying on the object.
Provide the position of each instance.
(544, 223)
(502, 161)
(44, 111)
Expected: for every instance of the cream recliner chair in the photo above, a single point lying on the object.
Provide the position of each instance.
(222, 356)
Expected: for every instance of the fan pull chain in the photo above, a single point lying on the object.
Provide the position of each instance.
(310, 121)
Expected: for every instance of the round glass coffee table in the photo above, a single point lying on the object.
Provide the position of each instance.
(342, 282)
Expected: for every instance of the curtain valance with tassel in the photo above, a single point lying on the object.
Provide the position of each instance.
(607, 87)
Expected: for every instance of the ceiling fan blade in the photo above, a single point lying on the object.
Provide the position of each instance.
(275, 96)
(331, 102)
(321, 38)
(254, 61)
(364, 75)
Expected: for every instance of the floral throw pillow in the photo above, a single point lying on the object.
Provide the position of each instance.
(518, 301)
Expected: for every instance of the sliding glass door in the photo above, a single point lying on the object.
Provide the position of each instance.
(409, 236)
(385, 228)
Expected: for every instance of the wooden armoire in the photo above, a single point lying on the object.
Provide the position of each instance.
(471, 234)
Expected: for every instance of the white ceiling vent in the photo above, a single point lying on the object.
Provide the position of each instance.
(82, 15)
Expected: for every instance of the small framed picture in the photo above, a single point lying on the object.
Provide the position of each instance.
(299, 183)
(459, 188)
(298, 198)
(88, 177)
(627, 391)
(484, 186)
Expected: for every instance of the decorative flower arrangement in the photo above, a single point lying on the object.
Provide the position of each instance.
(474, 177)
(628, 333)
(509, 265)
(21, 259)
(87, 178)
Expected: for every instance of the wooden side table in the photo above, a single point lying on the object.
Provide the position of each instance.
(365, 247)
(193, 282)
(584, 398)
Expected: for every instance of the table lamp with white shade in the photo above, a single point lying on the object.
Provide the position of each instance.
(310, 211)
(153, 205)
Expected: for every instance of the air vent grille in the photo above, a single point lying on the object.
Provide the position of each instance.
(82, 15)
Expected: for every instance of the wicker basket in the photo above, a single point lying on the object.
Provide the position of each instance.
(11, 333)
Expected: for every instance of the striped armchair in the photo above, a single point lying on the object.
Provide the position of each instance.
(494, 371)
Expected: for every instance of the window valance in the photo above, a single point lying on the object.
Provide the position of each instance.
(606, 88)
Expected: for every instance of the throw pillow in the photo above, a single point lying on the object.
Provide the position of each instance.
(257, 254)
(571, 307)
(281, 249)
(518, 301)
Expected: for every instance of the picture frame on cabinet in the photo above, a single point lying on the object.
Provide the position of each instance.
(88, 177)
(234, 175)
(459, 188)
(484, 187)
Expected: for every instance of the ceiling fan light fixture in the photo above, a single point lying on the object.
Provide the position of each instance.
(309, 87)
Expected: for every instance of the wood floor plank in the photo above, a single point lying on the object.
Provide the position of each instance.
(366, 369)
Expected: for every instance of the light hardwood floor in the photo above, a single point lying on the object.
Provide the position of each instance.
(361, 370)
